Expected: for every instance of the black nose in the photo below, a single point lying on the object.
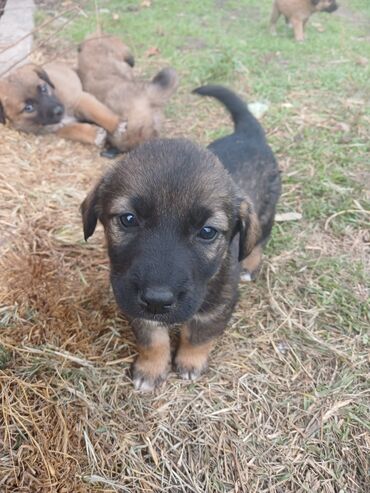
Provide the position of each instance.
(157, 300)
(58, 110)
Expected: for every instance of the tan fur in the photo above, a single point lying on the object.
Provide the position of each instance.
(191, 360)
(23, 83)
(297, 12)
(248, 214)
(105, 73)
(253, 261)
(153, 361)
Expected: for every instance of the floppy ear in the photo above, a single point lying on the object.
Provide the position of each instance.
(248, 227)
(162, 86)
(315, 2)
(44, 76)
(89, 212)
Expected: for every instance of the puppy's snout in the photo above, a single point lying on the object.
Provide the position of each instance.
(332, 7)
(157, 299)
(58, 110)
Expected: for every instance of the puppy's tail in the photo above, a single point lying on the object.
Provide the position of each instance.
(243, 119)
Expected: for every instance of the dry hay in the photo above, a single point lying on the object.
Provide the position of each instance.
(274, 413)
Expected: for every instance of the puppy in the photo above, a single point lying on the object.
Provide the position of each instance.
(105, 68)
(297, 13)
(51, 99)
(179, 221)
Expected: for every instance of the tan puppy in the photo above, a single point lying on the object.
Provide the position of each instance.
(297, 12)
(51, 99)
(105, 68)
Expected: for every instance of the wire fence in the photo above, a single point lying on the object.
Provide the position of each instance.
(47, 31)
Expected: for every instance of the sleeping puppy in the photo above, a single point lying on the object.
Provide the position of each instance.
(105, 68)
(180, 222)
(50, 99)
(297, 13)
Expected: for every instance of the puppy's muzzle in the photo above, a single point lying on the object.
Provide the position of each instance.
(156, 300)
(332, 8)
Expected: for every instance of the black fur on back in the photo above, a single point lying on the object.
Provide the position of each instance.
(247, 156)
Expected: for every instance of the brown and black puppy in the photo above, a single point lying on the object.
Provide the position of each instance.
(50, 99)
(297, 13)
(105, 68)
(179, 222)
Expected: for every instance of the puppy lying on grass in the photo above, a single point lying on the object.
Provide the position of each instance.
(50, 99)
(105, 66)
(181, 222)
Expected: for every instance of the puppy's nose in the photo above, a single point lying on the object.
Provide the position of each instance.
(58, 110)
(157, 300)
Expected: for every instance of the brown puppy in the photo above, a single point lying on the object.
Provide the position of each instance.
(105, 68)
(297, 12)
(51, 99)
(179, 230)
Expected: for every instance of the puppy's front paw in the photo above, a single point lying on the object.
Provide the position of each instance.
(190, 372)
(120, 130)
(101, 137)
(191, 361)
(148, 375)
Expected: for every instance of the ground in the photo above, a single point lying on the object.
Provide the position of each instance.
(284, 406)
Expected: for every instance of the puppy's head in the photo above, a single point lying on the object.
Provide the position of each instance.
(170, 212)
(27, 99)
(325, 5)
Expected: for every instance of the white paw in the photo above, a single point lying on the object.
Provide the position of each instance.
(120, 130)
(101, 137)
(192, 374)
(245, 277)
(143, 385)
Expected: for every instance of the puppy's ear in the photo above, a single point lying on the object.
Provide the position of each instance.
(89, 212)
(163, 86)
(44, 76)
(248, 227)
(315, 2)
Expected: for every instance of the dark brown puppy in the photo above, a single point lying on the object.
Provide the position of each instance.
(297, 12)
(50, 99)
(179, 220)
(105, 68)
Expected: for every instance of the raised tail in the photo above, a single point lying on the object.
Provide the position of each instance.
(243, 119)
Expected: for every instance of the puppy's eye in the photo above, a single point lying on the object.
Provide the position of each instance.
(29, 108)
(207, 233)
(128, 220)
(44, 88)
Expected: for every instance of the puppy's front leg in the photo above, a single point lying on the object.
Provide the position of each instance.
(298, 29)
(83, 132)
(275, 14)
(152, 364)
(89, 108)
(192, 356)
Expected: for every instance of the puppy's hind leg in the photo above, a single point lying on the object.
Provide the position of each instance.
(275, 14)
